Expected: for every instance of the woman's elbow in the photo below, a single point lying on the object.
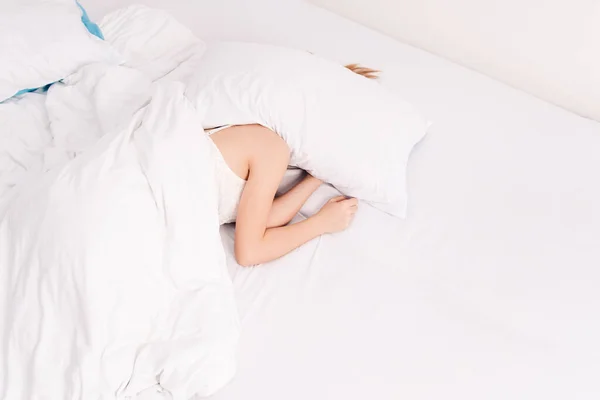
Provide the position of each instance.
(245, 258)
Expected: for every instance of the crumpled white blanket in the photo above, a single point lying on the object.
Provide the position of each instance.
(112, 271)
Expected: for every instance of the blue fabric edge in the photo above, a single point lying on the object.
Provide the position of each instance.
(92, 28)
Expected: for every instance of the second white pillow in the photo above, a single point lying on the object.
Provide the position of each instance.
(42, 42)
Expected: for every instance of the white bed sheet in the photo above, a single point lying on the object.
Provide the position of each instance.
(488, 290)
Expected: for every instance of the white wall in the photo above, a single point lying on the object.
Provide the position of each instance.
(549, 48)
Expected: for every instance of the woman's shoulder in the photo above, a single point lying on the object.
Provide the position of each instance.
(245, 147)
(260, 143)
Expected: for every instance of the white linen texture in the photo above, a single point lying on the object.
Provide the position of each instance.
(112, 272)
(112, 269)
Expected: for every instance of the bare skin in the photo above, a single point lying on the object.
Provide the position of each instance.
(260, 156)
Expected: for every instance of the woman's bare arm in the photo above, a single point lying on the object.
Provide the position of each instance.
(286, 206)
(254, 242)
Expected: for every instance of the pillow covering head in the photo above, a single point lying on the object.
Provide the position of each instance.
(340, 126)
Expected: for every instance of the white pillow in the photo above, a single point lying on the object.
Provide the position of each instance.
(341, 127)
(152, 41)
(43, 41)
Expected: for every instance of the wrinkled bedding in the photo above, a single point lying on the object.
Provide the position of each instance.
(25, 134)
(487, 291)
(112, 272)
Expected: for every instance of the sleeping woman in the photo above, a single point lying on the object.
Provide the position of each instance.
(250, 161)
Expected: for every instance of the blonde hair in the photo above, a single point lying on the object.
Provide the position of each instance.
(364, 71)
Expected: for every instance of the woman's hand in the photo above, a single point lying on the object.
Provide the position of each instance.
(337, 213)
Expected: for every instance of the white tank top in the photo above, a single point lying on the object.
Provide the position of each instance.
(230, 185)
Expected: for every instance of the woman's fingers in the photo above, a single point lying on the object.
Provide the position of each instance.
(337, 199)
(352, 205)
(352, 202)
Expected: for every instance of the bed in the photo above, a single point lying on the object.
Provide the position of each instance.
(487, 290)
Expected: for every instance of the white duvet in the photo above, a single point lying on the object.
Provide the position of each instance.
(112, 272)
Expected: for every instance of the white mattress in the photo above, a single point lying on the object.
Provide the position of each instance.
(488, 290)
